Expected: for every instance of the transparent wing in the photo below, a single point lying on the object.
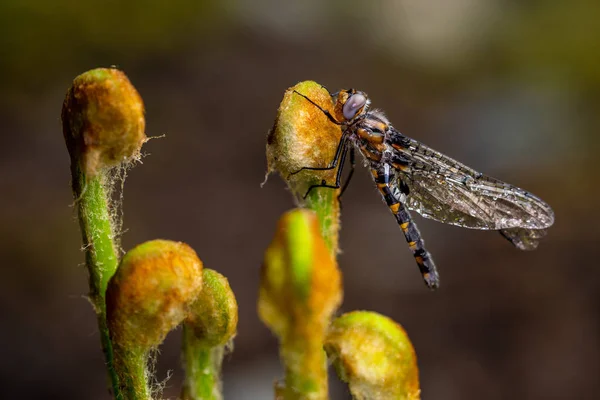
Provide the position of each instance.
(524, 239)
(442, 189)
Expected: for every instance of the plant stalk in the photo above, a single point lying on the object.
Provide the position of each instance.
(100, 251)
(324, 202)
(131, 364)
(202, 368)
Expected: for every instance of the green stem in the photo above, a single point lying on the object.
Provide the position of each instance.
(324, 202)
(306, 369)
(100, 251)
(202, 368)
(131, 364)
(97, 231)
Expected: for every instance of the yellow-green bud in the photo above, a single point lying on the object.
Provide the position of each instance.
(374, 356)
(214, 315)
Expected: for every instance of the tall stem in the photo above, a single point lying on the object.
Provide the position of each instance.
(100, 251)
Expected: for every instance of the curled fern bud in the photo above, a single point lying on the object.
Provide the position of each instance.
(149, 295)
(374, 356)
(214, 315)
(103, 120)
(303, 136)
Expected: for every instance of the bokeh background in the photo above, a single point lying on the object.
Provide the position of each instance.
(511, 88)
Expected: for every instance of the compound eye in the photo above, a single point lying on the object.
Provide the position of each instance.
(353, 104)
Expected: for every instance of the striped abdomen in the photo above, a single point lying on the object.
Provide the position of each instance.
(381, 175)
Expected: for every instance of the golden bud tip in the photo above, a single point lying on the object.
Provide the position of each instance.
(151, 292)
(103, 120)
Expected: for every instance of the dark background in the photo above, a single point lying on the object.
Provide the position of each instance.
(510, 88)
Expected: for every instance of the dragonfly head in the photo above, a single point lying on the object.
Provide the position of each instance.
(350, 104)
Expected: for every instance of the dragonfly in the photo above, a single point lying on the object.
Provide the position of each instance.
(413, 177)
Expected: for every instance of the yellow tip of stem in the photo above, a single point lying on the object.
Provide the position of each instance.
(300, 290)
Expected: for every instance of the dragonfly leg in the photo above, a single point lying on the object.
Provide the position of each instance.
(381, 174)
(352, 167)
(341, 147)
(338, 175)
(339, 156)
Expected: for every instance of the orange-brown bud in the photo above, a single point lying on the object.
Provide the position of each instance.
(151, 292)
(303, 136)
(103, 120)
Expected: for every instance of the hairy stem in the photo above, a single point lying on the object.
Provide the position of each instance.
(324, 202)
(97, 232)
(100, 251)
(202, 368)
(131, 364)
(305, 369)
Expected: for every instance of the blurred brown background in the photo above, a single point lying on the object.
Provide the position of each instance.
(511, 88)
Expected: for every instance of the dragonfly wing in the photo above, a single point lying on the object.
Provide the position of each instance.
(474, 203)
(524, 239)
(442, 202)
(442, 189)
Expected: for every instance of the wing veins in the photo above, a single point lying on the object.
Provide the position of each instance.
(445, 190)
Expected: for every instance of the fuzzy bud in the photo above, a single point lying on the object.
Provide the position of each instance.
(151, 292)
(303, 136)
(103, 120)
(374, 356)
(214, 315)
